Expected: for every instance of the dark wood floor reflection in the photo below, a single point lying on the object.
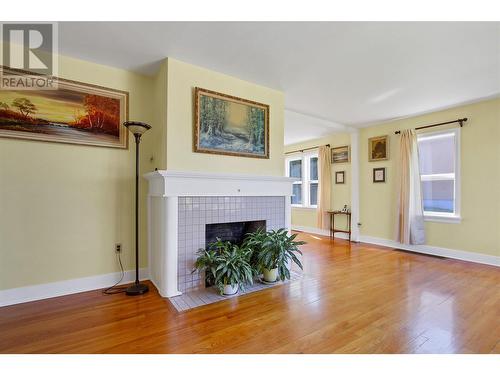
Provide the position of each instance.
(356, 298)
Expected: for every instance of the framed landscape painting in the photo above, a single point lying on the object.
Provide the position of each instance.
(228, 125)
(340, 154)
(75, 113)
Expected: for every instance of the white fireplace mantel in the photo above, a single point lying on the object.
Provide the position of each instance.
(177, 183)
(165, 188)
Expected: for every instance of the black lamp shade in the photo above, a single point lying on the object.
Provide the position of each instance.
(137, 128)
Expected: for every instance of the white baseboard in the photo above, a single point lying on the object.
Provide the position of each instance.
(424, 249)
(61, 288)
(434, 250)
(321, 232)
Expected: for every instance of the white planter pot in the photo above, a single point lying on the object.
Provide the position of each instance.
(270, 275)
(229, 289)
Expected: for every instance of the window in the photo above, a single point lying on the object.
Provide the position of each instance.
(313, 181)
(439, 159)
(296, 171)
(304, 167)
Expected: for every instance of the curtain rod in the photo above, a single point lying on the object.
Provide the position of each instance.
(305, 149)
(460, 121)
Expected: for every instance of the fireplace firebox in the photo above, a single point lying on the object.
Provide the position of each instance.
(233, 232)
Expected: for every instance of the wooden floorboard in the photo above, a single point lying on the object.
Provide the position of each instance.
(353, 298)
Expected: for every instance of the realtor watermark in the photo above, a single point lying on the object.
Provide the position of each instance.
(28, 56)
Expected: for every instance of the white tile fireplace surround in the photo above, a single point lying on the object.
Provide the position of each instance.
(196, 212)
(182, 204)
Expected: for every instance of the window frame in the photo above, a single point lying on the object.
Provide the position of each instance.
(445, 217)
(297, 181)
(305, 182)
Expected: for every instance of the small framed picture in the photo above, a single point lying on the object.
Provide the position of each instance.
(340, 177)
(341, 154)
(378, 174)
(378, 148)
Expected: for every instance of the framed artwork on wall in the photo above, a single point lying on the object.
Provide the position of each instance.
(340, 177)
(341, 154)
(378, 174)
(75, 112)
(378, 148)
(228, 125)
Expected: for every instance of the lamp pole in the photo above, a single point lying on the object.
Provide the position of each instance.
(137, 128)
(137, 143)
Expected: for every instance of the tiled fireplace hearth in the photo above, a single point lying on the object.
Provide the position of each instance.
(183, 206)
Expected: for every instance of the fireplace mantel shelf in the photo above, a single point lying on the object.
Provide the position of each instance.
(217, 176)
(180, 183)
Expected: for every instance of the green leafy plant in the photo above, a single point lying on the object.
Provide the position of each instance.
(254, 241)
(225, 263)
(277, 248)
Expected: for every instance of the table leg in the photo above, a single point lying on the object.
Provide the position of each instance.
(333, 227)
(349, 217)
(330, 225)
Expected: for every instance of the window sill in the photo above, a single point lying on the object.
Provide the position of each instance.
(304, 207)
(443, 219)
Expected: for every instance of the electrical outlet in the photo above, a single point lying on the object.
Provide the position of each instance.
(118, 247)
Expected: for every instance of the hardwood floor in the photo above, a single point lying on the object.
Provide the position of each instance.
(356, 298)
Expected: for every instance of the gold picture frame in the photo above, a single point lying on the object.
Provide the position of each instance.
(74, 113)
(340, 154)
(240, 128)
(378, 148)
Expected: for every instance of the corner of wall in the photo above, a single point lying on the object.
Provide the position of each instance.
(159, 151)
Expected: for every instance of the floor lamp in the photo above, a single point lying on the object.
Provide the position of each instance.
(137, 129)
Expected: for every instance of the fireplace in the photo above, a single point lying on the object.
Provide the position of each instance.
(187, 210)
(233, 232)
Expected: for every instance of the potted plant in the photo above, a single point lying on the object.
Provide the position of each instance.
(254, 242)
(273, 252)
(226, 266)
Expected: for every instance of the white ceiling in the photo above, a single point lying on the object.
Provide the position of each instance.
(352, 73)
(300, 127)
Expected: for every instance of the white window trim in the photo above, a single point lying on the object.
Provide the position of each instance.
(301, 182)
(445, 217)
(305, 182)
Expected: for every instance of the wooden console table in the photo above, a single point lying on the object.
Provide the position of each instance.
(332, 223)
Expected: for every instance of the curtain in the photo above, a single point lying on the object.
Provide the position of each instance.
(324, 186)
(410, 223)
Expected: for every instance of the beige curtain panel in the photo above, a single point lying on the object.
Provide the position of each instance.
(325, 186)
(410, 215)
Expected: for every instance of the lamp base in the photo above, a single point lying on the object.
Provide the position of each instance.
(137, 289)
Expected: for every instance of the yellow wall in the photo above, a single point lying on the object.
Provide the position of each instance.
(63, 207)
(341, 193)
(479, 230)
(182, 79)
